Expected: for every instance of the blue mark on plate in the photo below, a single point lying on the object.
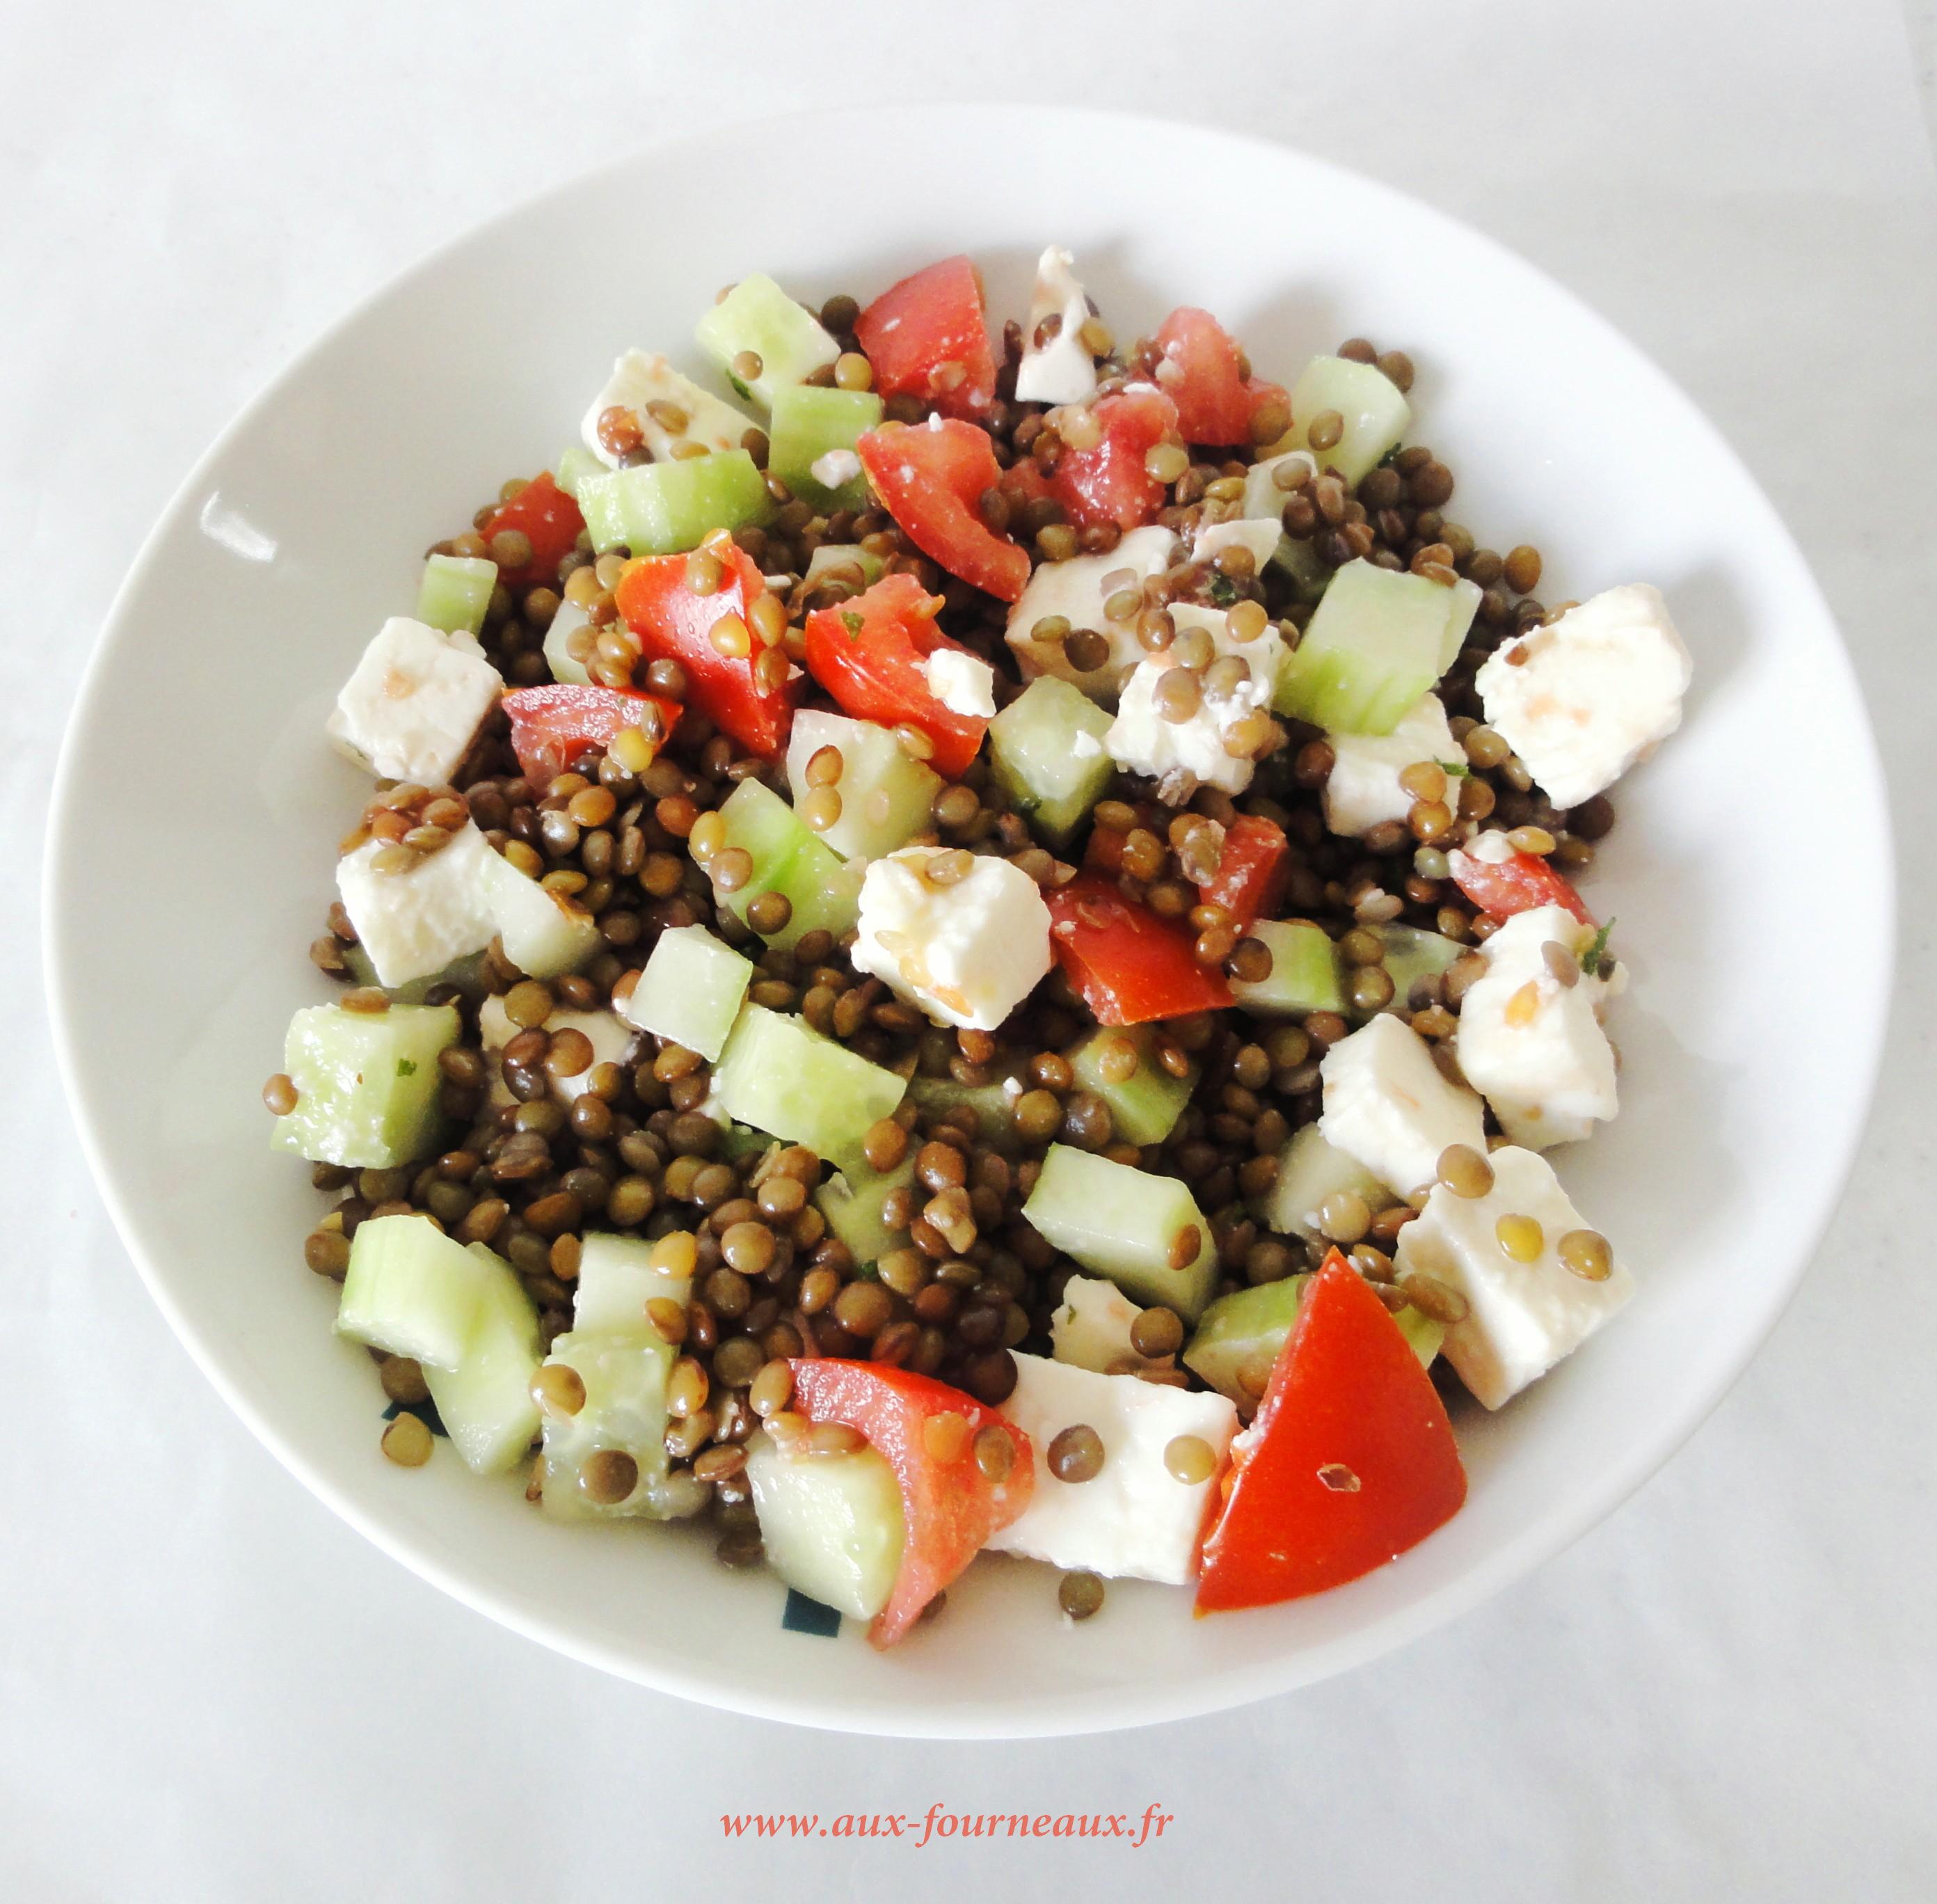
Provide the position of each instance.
(424, 1411)
(803, 1615)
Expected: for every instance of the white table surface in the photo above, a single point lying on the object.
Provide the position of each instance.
(210, 1689)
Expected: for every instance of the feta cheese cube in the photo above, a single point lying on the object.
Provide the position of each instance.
(968, 954)
(1091, 1328)
(833, 469)
(1260, 537)
(1530, 1042)
(1134, 1519)
(415, 922)
(1060, 369)
(609, 1035)
(1390, 1107)
(963, 683)
(1581, 702)
(1522, 1317)
(641, 378)
(415, 702)
(1363, 790)
(1074, 589)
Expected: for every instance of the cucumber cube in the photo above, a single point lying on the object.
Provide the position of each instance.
(1458, 620)
(1046, 748)
(467, 974)
(568, 620)
(455, 592)
(992, 1103)
(1375, 414)
(1126, 1224)
(852, 1203)
(831, 556)
(1374, 645)
(1304, 977)
(757, 315)
(885, 793)
(789, 860)
(410, 1291)
(545, 934)
(660, 509)
(575, 463)
(1145, 1106)
(1310, 1169)
(1264, 501)
(617, 1279)
(366, 1083)
(832, 1525)
(809, 423)
(1413, 953)
(485, 1403)
(690, 991)
(782, 1076)
(624, 1413)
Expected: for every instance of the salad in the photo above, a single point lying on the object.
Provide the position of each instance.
(973, 945)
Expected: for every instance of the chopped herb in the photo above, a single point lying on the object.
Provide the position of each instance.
(1390, 457)
(1595, 957)
(1454, 769)
(407, 1067)
(852, 622)
(1223, 591)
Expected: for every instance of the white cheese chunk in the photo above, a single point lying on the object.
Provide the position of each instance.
(1581, 702)
(1134, 1519)
(608, 1035)
(415, 702)
(1092, 1327)
(832, 468)
(963, 683)
(414, 923)
(1389, 1106)
(1363, 790)
(641, 378)
(968, 954)
(1074, 590)
(1260, 537)
(1060, 369)
(1523, 1316)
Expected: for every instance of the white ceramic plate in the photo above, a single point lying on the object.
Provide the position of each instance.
(198, 803)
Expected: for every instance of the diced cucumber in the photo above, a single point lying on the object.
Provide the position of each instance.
(1126, 1224)
(691, 990)
(625, 1412)
(789, 859)
(366, 1083)
(852, 1203)
(1458, 620)
(757, 315)
(544, 935)
(1309, 1170)
(1413, 953)
(411, 1290)
(1046, 748)
(843, 555)
(576, 462)
(485, 1403)
(659, 508)
(1373, 646)
(1375, 413)
(1264, 501)
(782, 1076)
(1145, 1106)
(885, 792)
(807, 423)
(1311, 573)
(615, 1281)
(993, 1103)
(1304, 977)
(568, 620)
(467, 974)
(455, 592)
(832, 1525)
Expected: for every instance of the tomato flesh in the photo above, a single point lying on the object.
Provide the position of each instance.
(931, 478)
(548, 519)
(937, 317)
(1251, 877)
(1215, 401)
(1110, 483)
(1128, 964)
(1504, 887)
(551, 727)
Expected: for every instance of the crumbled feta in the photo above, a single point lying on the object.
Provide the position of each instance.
(1492, 847)
(963, 683)
(1250, 532)
(1581, 702)
(1133, 1518)
(415, 702)
(1531, 1044)
(833, 468)
(608, 1035)
(1522, 1317)
(641, 378)
(1389, 1106)
(1074, 589)
(414, 923)
(1060, 369)
(1363, 790)
(1091, 1328)
(968, 954)
(1142, 740)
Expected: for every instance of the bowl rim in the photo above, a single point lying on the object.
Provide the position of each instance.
(1094, 1709)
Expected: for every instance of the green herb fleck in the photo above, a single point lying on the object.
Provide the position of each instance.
(1596, 957)
(407, 1067)
(852, 622)
(1390, 457)
(1454, 769)
(1223, 591)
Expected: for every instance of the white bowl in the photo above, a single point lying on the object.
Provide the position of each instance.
(198, 808)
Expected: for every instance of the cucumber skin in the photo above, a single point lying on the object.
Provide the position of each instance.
(1144, 1107)
(485, 1403)
(356, 1106)
(455, 592)
(852, 1204)
(1305, 976)
(782, 1076)
(808, 421)
(1030, 749)
(1412, 953)
(662, 508)
(991, 1103)
(410, 1289)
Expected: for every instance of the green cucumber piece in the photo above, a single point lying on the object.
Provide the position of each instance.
(485, 1403)
(1412, 954)
(808, 423)
(783, 1077)
(757, 315)
(832, 1525)
(1304, 977)
(660, 509)
(740, 1141)
(467, 974)
(789, 859)
(1309, 1170)
(1374, 411)
(569, 619)
(367, 1083)
(1458, 620)
(691, 990)
(1123, 1224)
(885, 792)
(1373, 646)
(625, 1376)
(1046, 749)
(831, 555)
(1298, 557)
(576, 462)
(410, 1289)
(1145, 1106)
(617, 1279)
(993, 1103)
(455, 592)
(852, 1203)
(544, 933)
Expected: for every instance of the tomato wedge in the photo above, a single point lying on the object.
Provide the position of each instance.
(552, 727)
(1215, 402)
(1504, 887)
(1110, 484)
(1251, 877)
(1349, 1461)
(928, 337)
(1128, 964)
(951, 1506)
(548, 519)
(931, 477)
(868, 653)
(750, 697)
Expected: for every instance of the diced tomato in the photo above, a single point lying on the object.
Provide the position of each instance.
(1349, 1461)
(1110, 483)
(951, 1506)
(1024, 482)
(938, 317)
(1128, 964)
(1251, 877)
(749, 696)
(1215, 404)
(1504, 887)
(868, 653)
(552, 727)
(548, 519)
(930, 478)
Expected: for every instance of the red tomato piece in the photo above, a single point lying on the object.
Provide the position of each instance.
(1104, 847)
(1504, 887)
(920, 333)
(552, 727)
(868, 653)
(951, 1506)
(749, 696)
(1251, 877)
(1110, 483)
(930, 478)
(548, 519)
(1349, 1461)
(1128, 964)
(1215, 402)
